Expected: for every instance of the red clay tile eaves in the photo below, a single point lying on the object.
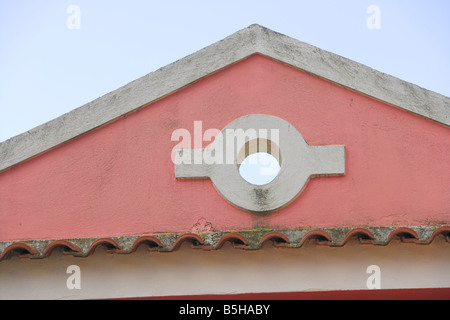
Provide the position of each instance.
(247, 240)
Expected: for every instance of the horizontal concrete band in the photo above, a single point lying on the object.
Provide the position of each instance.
(254, 39)
(246, 239)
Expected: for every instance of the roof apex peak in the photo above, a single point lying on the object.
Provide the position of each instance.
(241, 44)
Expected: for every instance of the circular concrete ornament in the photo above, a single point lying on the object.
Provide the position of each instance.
(299, 162)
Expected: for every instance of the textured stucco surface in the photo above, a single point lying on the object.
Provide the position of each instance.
(119, 180)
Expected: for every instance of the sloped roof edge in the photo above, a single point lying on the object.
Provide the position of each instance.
(248, 41)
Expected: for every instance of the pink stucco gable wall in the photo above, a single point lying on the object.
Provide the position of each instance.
(119, 179)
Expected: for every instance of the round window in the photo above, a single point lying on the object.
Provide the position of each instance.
(259, 168)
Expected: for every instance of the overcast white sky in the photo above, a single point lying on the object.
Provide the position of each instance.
(47, 69)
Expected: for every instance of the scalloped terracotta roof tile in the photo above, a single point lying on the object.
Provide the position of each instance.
(246, 240)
